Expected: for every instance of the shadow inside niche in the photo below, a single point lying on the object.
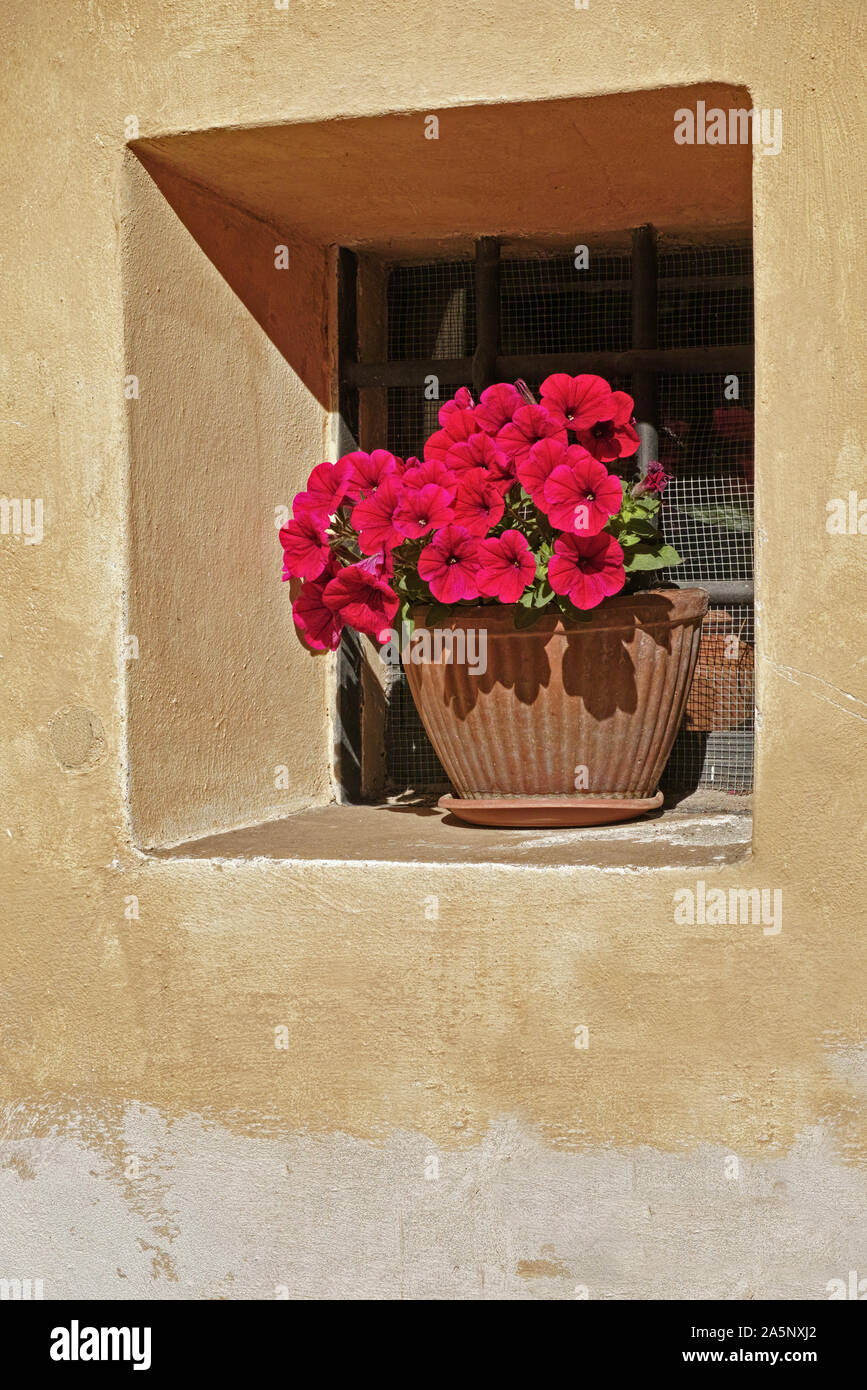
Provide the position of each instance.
(425, 807)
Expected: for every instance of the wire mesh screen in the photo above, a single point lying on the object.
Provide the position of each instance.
(431, 314)
(431, 310)
(548, 304)
(714, 748)
(706, 440)
(410, 761)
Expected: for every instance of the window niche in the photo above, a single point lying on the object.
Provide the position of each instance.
(250, 373)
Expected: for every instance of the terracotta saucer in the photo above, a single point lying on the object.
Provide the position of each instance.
(530, 812)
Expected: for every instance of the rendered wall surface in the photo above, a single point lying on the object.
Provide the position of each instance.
(152, 1037)
(220, 437)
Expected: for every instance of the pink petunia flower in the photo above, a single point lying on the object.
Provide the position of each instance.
(381, 564)
(577, 402)
(529, 425)
(581, 495)
(537, 468)
(462, 400)
(506, 566)
(586, 569)
(423, 509)
(419, 475)
(319, 627)
(479, 503)
(655, 480)
(373, 517)
(481, 451)
(733, 422)
(326, 489)
(362, 599)
(457, 425)
(305, 547)
(615, 437)
(367, 471)
(497, 404)
(448, 565)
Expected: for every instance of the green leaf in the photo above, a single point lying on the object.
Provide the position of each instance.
(437, 613)
(728, 518)
(650, 557)
(525, 617)
(543, 596)
(647, 529)
(569, 610)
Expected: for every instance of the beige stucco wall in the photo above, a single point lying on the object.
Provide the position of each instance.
(221, 435)
(152, 1037)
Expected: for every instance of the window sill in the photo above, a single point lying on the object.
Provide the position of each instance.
(704, 829)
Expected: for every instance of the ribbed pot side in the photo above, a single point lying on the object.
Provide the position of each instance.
(563, 707)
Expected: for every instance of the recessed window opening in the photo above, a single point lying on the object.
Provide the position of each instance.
(667, 321)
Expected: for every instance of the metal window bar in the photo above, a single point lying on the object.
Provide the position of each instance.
(348, 705)
(670, 325)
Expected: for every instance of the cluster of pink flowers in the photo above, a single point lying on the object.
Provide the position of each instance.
(509, 493)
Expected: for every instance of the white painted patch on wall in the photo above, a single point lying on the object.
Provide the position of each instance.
(208, 1213)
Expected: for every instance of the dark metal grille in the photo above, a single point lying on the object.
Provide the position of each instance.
(549, 306)
(705, 296)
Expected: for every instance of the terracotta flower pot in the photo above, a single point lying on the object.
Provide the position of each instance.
(569, 722)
